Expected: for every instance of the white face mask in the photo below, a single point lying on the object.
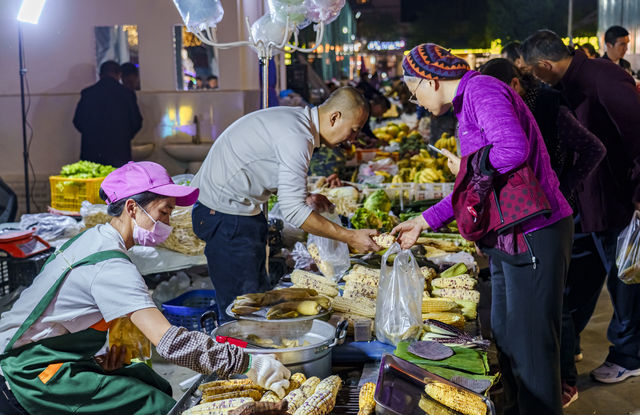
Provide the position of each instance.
(157, 235)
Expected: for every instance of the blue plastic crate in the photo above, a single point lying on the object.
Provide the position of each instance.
(185, 310)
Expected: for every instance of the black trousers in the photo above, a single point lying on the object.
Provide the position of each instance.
(526, 314)
(8, 403)
(236, 253)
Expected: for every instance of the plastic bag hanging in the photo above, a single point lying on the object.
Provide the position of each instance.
(398, 310)
(198, 15)
(331, 256)
(628, 252)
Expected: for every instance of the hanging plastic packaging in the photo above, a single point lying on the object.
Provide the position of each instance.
(628, 252)
(199, 15)
(124, 333)
(331, 256)
(398, 311)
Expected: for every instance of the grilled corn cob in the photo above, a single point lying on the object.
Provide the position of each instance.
(459, 281)
(324, 266)
(217, 390)
(432, 407)
(364, 279)
(457, 294)
(254, 394)
(361, 306)
(357, 290)
(217, 407)
(295, 398)
(384, 240)
(320, 403)
(331, 384)
(309, 386)
(362, 270)
(238, 383)
(321, 284)
(436, 305)
(453, 319)
(366, 404)
(296, 380)
(460, 400)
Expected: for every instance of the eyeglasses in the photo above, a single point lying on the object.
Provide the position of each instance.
(413, 99)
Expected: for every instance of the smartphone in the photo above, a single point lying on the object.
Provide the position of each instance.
(436, 149)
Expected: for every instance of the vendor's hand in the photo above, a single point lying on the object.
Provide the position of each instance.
(409, 231)
(319, 203)
(113, 359)
(334, 181)
(269, 373)
(453, 161)
(361, 240)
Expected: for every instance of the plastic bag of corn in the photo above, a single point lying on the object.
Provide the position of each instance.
(182, 238)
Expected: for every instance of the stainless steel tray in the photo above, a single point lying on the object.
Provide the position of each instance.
(401, 386)
(261, 315)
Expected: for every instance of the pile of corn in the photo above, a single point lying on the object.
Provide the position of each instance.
(324, 286)
(314, 396)
(359, 296)
(455, 299)
(460, 400)
(223, 396)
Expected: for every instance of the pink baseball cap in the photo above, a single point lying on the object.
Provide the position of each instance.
(146, 176)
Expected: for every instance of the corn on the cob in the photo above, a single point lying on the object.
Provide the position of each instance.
(460, 281)
(457, 294)
(319, 283)
(217, 390)
(460, 400)
(453, 319)
(217, 407)
(324, 266)
(357, 290)
(361, 279)
(238, 384)
(366, 404)
(437, 305)
(331, 384)
(384, 240)
(254, 394)
(469, 309)
(320, 403)
(428, 273)
(295, 381)
(295, 398)
(432, 407)
(361, 306)
(362, 270)
(309, 386)
(452, 271)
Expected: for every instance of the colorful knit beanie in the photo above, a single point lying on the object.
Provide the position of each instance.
(430, 61)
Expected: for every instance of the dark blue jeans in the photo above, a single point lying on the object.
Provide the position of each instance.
(526, 314)
(624, 328)
(236, 253)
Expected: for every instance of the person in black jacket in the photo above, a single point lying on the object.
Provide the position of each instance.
(108, 118)
(617, 40)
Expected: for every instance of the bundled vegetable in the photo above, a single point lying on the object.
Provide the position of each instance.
(378, 201)
(85, 170)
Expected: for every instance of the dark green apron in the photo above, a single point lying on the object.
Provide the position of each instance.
(59, 375)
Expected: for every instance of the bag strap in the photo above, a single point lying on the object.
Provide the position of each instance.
(63, 248)
(48, 297)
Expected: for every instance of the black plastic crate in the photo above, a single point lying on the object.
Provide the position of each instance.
(15, 272)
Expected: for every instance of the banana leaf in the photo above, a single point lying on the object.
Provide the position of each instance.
(466, 360)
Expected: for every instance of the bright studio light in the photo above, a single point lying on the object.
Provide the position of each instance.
(30, 11)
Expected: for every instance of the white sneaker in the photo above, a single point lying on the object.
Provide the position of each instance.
(612, 373)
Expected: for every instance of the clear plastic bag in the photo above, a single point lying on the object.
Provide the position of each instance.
(399, 310)
(50, 227)
(331, 256)
(93, 215)
(182, 238)
(628, 252)
(301, 256)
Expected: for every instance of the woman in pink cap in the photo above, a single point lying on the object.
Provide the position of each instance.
(54, 331)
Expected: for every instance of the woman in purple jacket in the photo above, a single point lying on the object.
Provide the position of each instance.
(526, 298)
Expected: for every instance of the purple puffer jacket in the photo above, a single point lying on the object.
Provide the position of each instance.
(490, 112)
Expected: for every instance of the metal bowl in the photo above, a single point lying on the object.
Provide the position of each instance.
(313, 359)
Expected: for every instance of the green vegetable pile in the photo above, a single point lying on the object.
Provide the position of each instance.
(375, 213)
(85, 170)
(273, 199)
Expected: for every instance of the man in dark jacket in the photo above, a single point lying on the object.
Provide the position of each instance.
(605, 101)
(617, 40)
(108, 118)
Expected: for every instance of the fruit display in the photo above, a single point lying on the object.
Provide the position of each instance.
(392, 132)
(423, 168)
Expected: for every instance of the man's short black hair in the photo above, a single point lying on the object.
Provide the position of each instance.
(210, 77)
(613, 33)
(544, 44)
(505, 70)
(110, 68)
(512, 51)
(128, 68)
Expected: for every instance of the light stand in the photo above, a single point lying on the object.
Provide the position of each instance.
(25, 145)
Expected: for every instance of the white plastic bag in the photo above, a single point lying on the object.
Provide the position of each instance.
(399, 309)
(628, 252)
(301, 256)
(331, 256)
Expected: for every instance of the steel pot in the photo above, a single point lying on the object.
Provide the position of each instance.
(313, 359)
